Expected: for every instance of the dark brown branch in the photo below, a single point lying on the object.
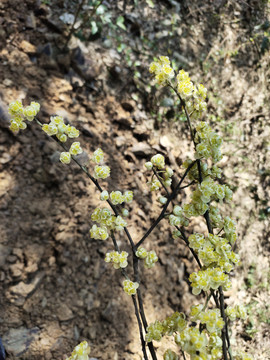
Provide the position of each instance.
(140, 327)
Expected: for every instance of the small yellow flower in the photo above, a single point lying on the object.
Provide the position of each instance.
(104, 195)
(130, 287)
(65, 157)
(72, 132)
(30, 112)
(101, 172)
(57, 120)
(141, 252)
(50, 129)
(158, 161)
(98, 156)
(61, 137)
(75, 148)
(15, 108)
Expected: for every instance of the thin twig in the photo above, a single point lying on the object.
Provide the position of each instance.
(160, 179)
(79, 8)
(162, 214)
(187, 243)
(183, 354)
(223, 331)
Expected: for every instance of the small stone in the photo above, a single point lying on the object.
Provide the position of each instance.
(12, 259)
(30, 21)
(84, 66)
(27, 47)
(64, 237)
(165, 142)
(64, 313)
(7, 82)
(120, 141)
(142, 149)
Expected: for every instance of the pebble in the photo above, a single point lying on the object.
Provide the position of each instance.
(27, 47)
(64, 313)
(142, 149)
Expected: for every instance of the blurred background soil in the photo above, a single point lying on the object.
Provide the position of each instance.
(55, 288)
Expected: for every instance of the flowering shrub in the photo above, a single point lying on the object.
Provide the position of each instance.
(204, 333)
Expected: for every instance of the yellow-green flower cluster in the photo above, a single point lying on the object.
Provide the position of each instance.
(119, 223)
(174, 323)
(237, 311)
(162, 70)
(104, 195)
(230, 229)
(155, 331)
(215, 217)
(75, 149)
(107, 220)
(19, 114)
(215, 347)
(118, 198)
(214, 251)
(154, 184)
(130, 287)
(99, 233)
(119, 260)
(98, 156)
(58, 128)
(208, 143)
(205, 192)
(193, 342)
(210, 278)
(150, 257)
(167, 177)
(212, 319)
(101, 171)
(193, 174)
(80, 352)
(193, 95)
(170, 355)
(162, 200)
(158, 162)
(178, 218)
(199, 345)
(103, 216)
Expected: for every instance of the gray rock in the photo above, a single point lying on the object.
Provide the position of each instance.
(17, 341)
